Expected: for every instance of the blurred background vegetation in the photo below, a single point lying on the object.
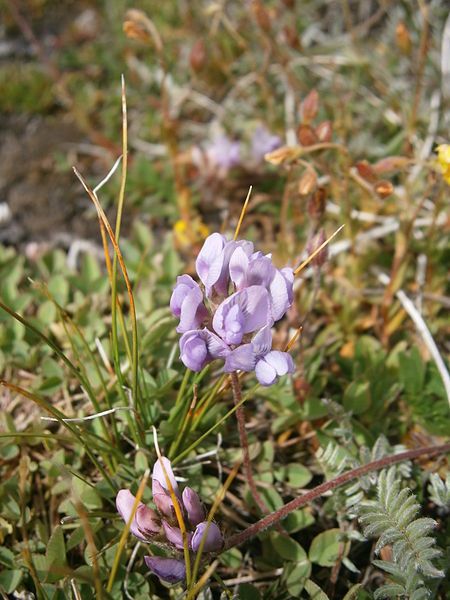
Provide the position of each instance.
(361, 89)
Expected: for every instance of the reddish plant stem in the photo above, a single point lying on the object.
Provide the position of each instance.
(237, 397)
(327, 486)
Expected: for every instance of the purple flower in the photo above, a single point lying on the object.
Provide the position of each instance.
(213, 538)
(241, 313)
(162, 470)
(268, 364)
(167, 569)
(160, 489)
(263, 142)
(194, 506)
(224, 152)
(199, 347)
(145, 522)
(174, 535)
(258, 269)
(187, 304)
(213, 261)
(273, 365)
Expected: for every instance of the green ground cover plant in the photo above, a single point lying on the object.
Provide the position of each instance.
(315, 468)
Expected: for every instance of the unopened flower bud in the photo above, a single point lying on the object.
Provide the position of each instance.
(194, 506)
(366, 171)
(390, 164)
(309, 107)
(139, 27)
(173, 535)
(306, 135)
(402, 38)
(261, 15)
(170, 570)
(383, 188)
(315, 243)
(316, 203)
(292, 37)
(307, 182)
(162, 500)
(147, 521)
(197, 57)
(281, 155)
(213, 538)
(324, 131)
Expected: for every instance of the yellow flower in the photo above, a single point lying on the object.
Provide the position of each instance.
(444, 161)
(187, 233)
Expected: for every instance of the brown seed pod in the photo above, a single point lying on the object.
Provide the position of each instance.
(366, 171)
(402, 38)
(308, 182)
(383, 188)
(309, 106)
(306, 135)
(390, 164)
(316, 203)
(324, 131)
(197, 57)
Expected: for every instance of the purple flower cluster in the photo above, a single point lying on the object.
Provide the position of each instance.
(161, 526)
(230, 317)
(221, 154)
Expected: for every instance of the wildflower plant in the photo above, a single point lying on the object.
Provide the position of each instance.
(230, 316)
(160, 526)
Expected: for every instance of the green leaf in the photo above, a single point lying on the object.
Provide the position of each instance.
(314, 591)
(352, 593)
(326, 548)
(247, 591)
(298, 519)
(357, 397)
(9, 580)
(297, 475)
(412, 371)
(287, 548)
(56, 555)
(297, 574)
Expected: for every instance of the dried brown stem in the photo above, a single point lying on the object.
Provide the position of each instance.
(237, 397)
(275, 517)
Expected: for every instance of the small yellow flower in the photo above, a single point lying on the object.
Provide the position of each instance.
(185, 234)
(444, 161)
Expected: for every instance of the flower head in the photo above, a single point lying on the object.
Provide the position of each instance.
(161, 526)
(244, 293)
(263, 142)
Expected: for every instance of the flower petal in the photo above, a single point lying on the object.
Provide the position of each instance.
(213, 537)
(238, 268)
(254, 304)
(147, 521)
(167, 569)
(262, 341)
(194, 506)
(194, 350)
(173, 535)
(210, 251)
(281, 361)
(242, 358)
(124, 504)
(265, 373)
(162, 500)
(159, 475)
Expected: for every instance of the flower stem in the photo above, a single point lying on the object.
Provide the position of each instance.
(284, 511)
(237, 396)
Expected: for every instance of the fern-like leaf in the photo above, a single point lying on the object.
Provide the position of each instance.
(392, 517)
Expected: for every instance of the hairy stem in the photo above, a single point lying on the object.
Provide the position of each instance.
(275, 517)
(237, 396)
